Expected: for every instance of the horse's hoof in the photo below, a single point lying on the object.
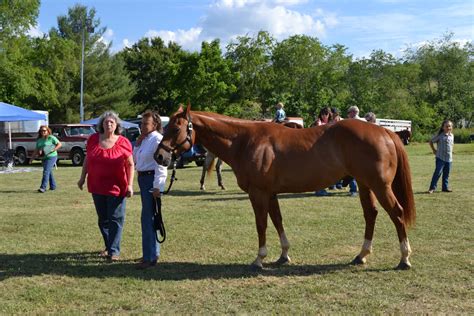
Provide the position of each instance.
(357, 261)
(403, 266)
(282, 261)
(222, 187)
(255, 268)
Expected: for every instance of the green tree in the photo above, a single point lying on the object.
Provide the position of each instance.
(17, 75)
(106, 84)
(447, 77)
(251, 62)
(208, 79)
(154, 68)
(16, 17)
(301, 67)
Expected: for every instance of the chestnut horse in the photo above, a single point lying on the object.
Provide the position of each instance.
(212, 160)
(269, 159)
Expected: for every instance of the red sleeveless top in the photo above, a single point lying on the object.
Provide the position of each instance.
(106, 168)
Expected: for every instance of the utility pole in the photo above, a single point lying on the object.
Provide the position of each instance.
(81, 26)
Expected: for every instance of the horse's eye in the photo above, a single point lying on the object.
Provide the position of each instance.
(176, 130)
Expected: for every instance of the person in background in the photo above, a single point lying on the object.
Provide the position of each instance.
(151, 179)
(370, 117)
(335, 115)
(334, 118)
(323, 119)
(47, 147)
(109, 169)
(444, 141)
(280, 115)
(353, 113)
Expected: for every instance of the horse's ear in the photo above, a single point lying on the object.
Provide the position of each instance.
(188, 109)
(180, 109)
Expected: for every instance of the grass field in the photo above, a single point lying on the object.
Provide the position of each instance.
(49, 244)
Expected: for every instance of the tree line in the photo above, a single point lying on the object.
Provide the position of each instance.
(428, 84)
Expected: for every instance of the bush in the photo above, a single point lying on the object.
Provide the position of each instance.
(463, 135)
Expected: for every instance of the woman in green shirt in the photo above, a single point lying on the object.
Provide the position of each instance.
(46, 147)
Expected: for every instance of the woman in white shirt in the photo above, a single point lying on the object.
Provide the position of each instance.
(151, 179)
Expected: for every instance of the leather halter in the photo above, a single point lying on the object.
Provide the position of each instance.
(189, 132)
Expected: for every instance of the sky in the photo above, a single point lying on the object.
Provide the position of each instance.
(361, 26)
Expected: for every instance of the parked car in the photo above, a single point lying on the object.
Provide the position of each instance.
(73, 138)
(197, 153)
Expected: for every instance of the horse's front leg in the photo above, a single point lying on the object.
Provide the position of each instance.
(260, 204)
(277, 220)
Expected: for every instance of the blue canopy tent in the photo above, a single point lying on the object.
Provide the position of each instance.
(125, 124)
(11, 113)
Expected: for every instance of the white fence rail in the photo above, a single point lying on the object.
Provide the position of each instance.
(394, 125)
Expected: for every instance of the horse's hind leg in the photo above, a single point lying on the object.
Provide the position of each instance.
(207, 162)
(389, 202)
(219, 173)
(277, 220)
(367, 199)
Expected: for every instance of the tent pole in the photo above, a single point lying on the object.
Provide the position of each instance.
(9, 136)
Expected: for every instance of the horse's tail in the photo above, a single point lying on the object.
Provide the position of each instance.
(210, 166)
(401, 185)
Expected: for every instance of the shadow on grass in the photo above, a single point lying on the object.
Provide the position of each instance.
(89, 265)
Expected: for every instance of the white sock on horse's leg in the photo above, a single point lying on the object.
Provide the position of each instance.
(366, 249)
(285, 246)
(262, 253)
(405, 249)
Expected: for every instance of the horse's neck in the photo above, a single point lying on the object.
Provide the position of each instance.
(216, 135)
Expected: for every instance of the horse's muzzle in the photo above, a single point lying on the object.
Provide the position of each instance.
(162, 158)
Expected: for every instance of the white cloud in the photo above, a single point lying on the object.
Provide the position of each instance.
(35, 31)
(126, 43)
(107, 37)
(186, 38)
(227, 19)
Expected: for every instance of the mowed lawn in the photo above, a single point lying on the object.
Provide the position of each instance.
(49, 245)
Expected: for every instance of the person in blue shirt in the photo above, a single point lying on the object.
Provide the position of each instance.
(280, 113)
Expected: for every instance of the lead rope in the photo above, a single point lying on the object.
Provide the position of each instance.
(158, 217)
(158, 222)
(173, 175)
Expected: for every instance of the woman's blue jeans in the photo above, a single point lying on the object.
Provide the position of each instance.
(111, 213)
(150, 247)
(441, 167)
(48, 165)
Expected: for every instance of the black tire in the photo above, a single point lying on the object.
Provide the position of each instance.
(180, 163)
(77, 157)
(22, 157)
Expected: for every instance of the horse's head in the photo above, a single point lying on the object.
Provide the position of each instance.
(178, 137)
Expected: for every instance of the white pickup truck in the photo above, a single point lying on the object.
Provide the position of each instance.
(73, 138)
(401, 127)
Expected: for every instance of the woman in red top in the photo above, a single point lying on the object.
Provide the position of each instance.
(109, 169)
